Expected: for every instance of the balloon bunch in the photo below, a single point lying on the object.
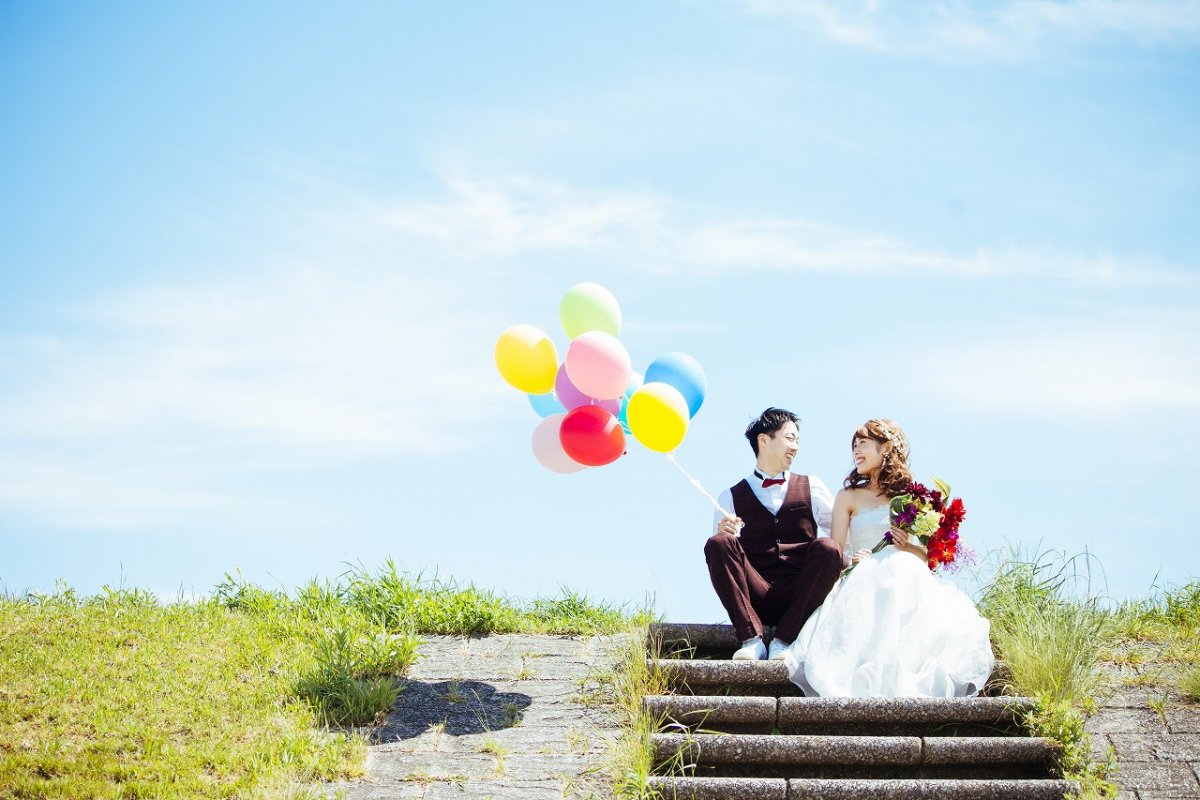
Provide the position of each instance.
(594, 398)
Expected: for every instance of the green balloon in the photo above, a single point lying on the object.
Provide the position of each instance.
(589, 307)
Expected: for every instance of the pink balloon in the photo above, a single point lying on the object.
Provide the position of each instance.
(547, 447)
(599, 366)
(572, 398)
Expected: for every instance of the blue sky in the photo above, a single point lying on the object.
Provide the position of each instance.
(254, 259)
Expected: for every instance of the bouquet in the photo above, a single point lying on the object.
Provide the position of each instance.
(926, 515)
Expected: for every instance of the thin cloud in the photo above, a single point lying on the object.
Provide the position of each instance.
(511, 217)
(812, 247)
(1086, 375)
(144, 414)
(973, 31)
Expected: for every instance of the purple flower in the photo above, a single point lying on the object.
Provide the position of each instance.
(908, 516)
(963, 555)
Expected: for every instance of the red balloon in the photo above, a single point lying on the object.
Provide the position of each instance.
(592, 436)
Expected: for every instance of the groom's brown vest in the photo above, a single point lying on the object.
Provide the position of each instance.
(768, 540)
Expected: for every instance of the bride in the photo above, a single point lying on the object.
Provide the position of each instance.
(891, 628)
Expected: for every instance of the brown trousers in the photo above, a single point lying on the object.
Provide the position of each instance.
(784, 596)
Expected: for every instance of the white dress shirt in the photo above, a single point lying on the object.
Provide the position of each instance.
(772, 499)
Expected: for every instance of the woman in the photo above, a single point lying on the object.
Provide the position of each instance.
(890, 628)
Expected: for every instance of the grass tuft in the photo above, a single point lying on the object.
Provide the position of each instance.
(636, 675)
(1047, 641)
(352, 681)
(1189, 683)
(442, 606)
(1063, 722)
(1049, 632)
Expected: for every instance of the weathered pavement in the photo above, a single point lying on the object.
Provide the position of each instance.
(502, 716)
(1152, 729)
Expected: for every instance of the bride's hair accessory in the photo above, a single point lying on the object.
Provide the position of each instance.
(893, 436)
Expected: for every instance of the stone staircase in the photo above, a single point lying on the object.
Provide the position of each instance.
(741, 729)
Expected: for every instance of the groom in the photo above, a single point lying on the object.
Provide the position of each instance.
(776, 571)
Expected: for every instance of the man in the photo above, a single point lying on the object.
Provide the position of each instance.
(776, 571)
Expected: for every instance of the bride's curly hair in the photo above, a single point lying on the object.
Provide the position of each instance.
(894, 476)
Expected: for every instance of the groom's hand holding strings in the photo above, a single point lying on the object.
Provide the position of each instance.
(730, 525)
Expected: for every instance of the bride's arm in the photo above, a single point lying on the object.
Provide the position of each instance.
(909, 544)
(841, 521)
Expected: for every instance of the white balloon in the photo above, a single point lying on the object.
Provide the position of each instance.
(547, 448)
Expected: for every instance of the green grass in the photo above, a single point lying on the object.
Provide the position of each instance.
(1048, 631)
(443, 606)
(119, 696)
(1051, 631)
(239, 695)
(1047, 639)
(1165, 629)
(631, 756)
(1189, 683)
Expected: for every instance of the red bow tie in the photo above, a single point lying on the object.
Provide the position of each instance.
(773, 481)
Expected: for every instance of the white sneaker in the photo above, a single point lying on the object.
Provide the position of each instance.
(778, 648)
(752, 650)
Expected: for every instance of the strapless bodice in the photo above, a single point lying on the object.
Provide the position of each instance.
(866, 529)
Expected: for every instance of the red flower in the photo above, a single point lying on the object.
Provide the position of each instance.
(918, 490)
(953, 516)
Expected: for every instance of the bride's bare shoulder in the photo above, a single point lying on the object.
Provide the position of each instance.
(849, 498)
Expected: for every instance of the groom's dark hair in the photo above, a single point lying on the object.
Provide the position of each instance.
(768, 422)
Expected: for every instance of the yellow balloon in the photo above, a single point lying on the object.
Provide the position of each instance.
(658, 416)
(527, 359)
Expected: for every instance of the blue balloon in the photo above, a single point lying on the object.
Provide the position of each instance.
(635, 383)
(684, 373)
(546, 404)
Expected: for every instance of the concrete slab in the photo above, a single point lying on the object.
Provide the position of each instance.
(1178, 780)
(522, 731)
(1183, 719)
(1155, 747)
(1126, 720)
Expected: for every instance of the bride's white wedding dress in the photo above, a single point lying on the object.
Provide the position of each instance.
(891, 628)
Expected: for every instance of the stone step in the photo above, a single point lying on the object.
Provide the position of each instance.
(979, 716)
(686, 636)
(878, 756)
(714, 712)
(700, 676)
(684, 788)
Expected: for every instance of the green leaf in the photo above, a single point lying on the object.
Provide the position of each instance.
(942, 487)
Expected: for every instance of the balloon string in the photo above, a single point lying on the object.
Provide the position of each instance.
(696, 483)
